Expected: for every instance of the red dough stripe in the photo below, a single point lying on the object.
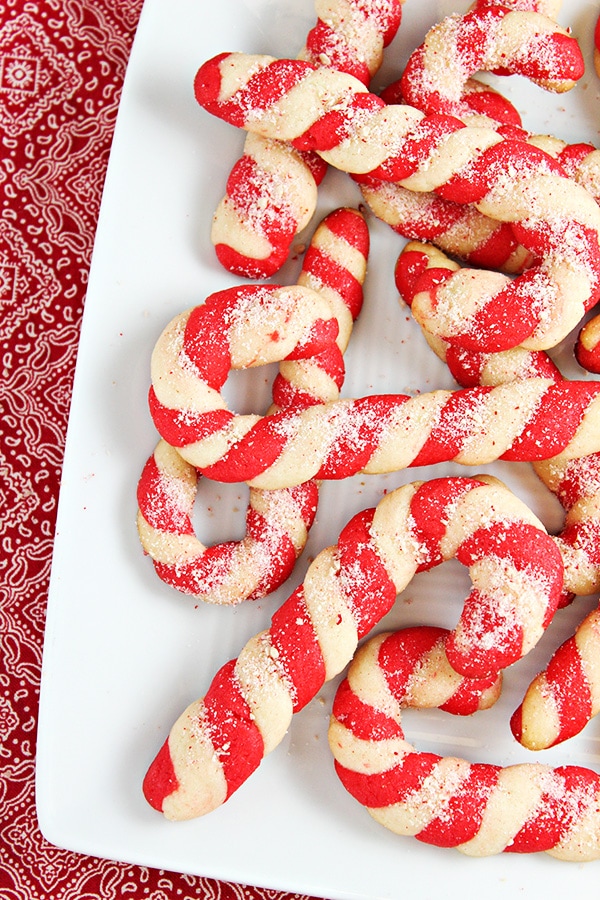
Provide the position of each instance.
(232, 731)
(203, 573)
(392, 786)
(430, 510)
(512, 541)
(569, 404)
(332, 127)
(447, 437)
(464, 809)
(161, 780)
(566, 62)
(555, 818)
(337, 223)
(182, 427)
(332, 273)
(362, 720)
(267, 439)
(171, 517)
(401, 652)
(570, 689)
(298, 652)
(357, 554)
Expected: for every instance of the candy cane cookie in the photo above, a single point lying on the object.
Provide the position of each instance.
(277, 526)
(271, 191)
(521, 421)
(463, 231)
(351, 35)
(458, 229)
(511, 181)
(516, 572)
(277, 522)
(562, 699)
(490, 37)
(478, 808)
(597, 47)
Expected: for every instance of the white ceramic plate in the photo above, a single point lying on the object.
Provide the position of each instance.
(124, 654)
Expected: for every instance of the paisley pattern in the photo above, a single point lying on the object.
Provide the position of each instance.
(62, 64)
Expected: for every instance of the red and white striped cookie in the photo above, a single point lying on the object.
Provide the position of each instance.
(277, 522)
(517, 574)
(489, 38)
(528, 420)
(565, 696)
(271, 192)
(478, 808)
(277, 526)
(507, 180)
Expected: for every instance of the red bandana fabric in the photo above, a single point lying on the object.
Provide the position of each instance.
(62, 64)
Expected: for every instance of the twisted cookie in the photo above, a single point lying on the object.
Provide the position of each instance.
(455, 228)
(517, 577)
(271, 192)
(277, 522)
(373, 435)
(350, 35)
(507, 180)
(478, 808)
(270, 196)
(562, 699)
(524, 421)
(490, 37)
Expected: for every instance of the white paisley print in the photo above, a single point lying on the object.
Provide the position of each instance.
(62, 64)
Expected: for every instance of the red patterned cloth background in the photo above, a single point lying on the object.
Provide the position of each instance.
(62, 64)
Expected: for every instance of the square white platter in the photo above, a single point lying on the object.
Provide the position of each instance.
(123, 653)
